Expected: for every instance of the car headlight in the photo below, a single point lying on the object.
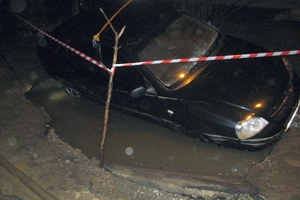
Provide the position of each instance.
(250, 127)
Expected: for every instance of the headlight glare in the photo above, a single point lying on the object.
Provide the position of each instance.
(250, 127)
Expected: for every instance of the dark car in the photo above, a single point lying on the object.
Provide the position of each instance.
(243, 104)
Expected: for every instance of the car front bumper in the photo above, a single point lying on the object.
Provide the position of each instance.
(255, 143)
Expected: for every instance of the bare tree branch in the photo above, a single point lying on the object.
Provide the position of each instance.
(110, 87)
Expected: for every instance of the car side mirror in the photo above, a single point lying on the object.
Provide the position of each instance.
(140, 91)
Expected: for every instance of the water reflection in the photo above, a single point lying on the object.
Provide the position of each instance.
(135, 142)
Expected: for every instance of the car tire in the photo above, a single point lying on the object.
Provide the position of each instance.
(73, 92)
(75, 95)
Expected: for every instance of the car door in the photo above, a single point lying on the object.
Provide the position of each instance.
(173, 111)
(128, 79)
(84, 75)
(94, 80)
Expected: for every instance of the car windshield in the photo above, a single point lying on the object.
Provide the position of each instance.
(185, 38)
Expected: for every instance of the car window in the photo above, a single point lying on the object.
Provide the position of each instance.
(185, 38)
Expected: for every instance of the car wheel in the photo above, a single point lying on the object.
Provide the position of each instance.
(75, 95)
(73, 92)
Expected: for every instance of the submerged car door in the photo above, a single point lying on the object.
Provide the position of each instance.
(89, 78)
(94, 81)
(173, 111)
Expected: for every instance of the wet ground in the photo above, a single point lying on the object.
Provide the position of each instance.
(159, 155)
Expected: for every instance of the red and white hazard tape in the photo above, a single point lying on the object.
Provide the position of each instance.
(211, 58)
(99, 64)
(169, 61)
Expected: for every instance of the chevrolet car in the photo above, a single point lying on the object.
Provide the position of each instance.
(245, 104)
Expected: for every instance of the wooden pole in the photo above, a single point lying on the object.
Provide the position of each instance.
(110, 87)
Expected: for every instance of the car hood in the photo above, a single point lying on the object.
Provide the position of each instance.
(249, 84)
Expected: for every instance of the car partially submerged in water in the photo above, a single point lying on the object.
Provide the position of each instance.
(243, 104)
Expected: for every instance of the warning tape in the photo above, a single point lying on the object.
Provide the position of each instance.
(99, 64)
(210, 58)
(168, 61)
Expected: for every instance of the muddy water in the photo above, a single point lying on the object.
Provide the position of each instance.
(135, 142)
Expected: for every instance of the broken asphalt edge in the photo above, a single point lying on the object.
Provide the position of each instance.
(184, 184)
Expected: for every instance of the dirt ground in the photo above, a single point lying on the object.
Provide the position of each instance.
(36, 164)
